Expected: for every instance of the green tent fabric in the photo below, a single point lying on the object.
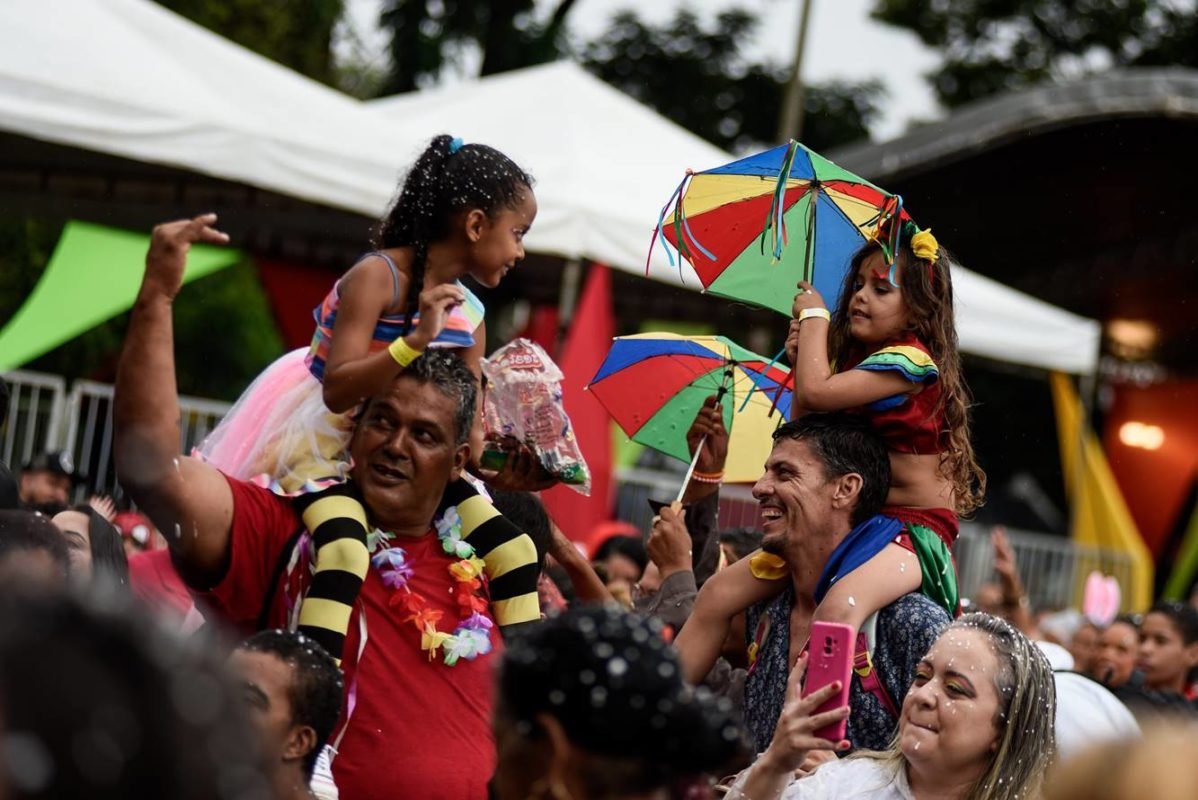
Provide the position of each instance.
(93, 275)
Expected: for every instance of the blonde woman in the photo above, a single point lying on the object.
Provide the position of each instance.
(977, 724)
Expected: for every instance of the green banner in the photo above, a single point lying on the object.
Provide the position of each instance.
(93, 275)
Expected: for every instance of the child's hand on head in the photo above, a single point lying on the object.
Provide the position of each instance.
(435, 306)
(807, 297)
(792, 341)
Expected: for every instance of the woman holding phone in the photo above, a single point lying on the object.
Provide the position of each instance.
(977, 724)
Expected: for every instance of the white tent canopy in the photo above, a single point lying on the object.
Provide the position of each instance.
(128, 78)
(605, 164)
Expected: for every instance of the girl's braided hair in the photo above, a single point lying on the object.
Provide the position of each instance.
(448, 177)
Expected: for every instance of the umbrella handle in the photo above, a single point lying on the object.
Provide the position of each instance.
(690, 470)
(723, 390)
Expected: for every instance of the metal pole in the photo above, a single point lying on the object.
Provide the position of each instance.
(790, 124)
(567, 301)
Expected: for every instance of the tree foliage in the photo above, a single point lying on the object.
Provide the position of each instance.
(700, 78)
(991, 46)
(697, 76)
(207, 365)
(428, 36)
(296, 35)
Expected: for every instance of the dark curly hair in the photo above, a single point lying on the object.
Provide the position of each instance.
(316, 684)
(443, 182)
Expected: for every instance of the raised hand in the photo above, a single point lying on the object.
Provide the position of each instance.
(522, 470)
(170, 242)
(103, 505)
(792, 341)
(807, 297)
(793, 737)
(709, 423)
(436, 303)
(670, 542)
(1004, 554)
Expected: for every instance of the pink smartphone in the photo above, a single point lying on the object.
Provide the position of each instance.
(829, 658)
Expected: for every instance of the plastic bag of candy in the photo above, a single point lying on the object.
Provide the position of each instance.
(523, 401)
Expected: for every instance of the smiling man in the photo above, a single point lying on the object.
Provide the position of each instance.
(825, 480)
(415, 724)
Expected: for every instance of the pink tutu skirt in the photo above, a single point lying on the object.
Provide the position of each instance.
(279, 433)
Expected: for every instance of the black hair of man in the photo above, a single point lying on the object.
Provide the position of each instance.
(316, 683)
(631, 547)
(1184, 617)
(101, 701)
(743, 541)
(845, 444)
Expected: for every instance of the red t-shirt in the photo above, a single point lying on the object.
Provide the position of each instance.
(418, 728)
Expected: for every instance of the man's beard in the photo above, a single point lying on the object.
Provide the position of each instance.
(774, 544)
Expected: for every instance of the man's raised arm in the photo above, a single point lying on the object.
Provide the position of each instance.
(188, 501)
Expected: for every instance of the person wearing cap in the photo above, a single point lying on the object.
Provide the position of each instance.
(137, 531)
(46, 482)
(592, 705)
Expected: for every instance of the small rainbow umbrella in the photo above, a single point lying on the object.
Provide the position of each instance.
(754, 228)
(653, 384)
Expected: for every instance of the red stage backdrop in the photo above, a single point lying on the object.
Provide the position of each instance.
(589, 339)
(294, 290)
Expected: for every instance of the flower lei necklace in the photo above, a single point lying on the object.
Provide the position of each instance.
(472, 636)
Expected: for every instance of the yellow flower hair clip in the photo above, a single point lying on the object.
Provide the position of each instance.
(925, 246)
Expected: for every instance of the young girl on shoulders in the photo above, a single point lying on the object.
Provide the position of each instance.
(894, 360)
(464, 209)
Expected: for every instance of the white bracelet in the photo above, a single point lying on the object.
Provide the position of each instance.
(808, 313)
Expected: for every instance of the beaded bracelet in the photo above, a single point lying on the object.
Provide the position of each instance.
(707, 477)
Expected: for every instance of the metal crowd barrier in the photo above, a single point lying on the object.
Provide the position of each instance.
(35, 412)
(44, 417)
(1053, 568)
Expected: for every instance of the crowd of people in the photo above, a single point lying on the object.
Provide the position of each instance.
(333, 597)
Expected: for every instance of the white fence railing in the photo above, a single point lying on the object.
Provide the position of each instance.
(43, 417)
(1053, 568)
(35, 412)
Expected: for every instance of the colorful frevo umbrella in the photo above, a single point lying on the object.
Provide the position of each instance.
(754, 228)
(653, 385)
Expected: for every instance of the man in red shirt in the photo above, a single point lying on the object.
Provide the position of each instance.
(412, 726)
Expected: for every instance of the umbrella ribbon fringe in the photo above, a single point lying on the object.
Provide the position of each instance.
(753, 384)
(895, 240)
(775, 223)
(682, 230)
(659, 232)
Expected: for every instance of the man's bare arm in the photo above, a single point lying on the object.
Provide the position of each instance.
(189, 501)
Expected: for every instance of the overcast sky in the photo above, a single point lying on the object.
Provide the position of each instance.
(843, 43)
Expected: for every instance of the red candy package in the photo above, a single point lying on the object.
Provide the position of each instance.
(523, 400)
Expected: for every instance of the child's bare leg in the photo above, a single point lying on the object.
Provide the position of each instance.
(723, 596)
(875, 584)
